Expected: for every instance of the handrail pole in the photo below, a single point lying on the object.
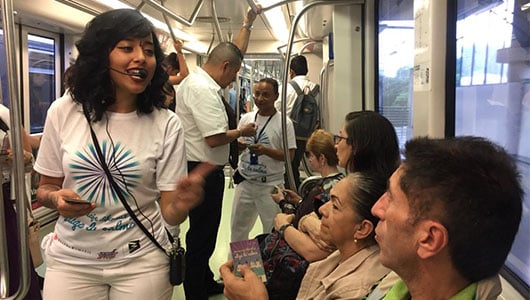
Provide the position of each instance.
(16, 146)
(288, 166)
(216, 22)
(254, 7)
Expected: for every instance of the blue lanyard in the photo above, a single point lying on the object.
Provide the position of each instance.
(257, 137)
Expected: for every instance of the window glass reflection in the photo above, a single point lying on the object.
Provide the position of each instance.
(493, 100)
(41, 65)
(396, 58)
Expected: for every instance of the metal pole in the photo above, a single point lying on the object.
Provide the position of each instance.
(254, 7)
(289, 168)
(216, 22)
(16, 146)
(178, 18)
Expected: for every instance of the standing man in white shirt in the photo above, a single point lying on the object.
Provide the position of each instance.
(298, 73)
(206, 117)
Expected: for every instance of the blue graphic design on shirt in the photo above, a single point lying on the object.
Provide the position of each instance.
(92, 183)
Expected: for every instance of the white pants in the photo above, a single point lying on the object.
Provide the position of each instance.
(145, 277)
(250, 200)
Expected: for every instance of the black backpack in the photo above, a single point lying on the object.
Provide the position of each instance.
(305, 112)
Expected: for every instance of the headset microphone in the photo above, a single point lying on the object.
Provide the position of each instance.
(136, 72)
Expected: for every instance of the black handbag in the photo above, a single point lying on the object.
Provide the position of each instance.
(177, 252)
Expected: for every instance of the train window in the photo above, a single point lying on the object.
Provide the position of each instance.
(396, 58)
(40, 62)
(493, 96)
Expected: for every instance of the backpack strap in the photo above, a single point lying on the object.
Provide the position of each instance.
(296, 87)
(316, 90)
(3, 126)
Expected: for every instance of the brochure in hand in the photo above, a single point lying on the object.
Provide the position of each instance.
(247, 252)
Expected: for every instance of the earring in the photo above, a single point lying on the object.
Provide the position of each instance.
(355, 240)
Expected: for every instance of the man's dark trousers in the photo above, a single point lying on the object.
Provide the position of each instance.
(202, 235)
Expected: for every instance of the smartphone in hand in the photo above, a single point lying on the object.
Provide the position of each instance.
(76, 201)
(276, 189)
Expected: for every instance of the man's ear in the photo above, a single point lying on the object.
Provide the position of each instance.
(225, 66)
(432, 238)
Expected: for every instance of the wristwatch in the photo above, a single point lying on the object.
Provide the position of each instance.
(286, 207)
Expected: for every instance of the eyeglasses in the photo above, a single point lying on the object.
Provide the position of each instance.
(337, 138)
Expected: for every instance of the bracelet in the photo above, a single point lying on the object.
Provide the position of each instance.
(283, 227)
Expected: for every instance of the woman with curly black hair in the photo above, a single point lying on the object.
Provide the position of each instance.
(97, 251)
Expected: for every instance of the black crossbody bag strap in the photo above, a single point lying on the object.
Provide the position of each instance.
(117, 190)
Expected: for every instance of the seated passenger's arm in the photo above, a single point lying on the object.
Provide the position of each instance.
(299, 241)
(304, 245)
(310, 224)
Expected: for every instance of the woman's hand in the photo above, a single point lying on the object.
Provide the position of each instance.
(249, 286)
(282, 219)
(189, 191)
(310, 224)
(70, 209)
(178, 46)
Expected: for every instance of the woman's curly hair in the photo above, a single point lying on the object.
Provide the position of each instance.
(89, 79)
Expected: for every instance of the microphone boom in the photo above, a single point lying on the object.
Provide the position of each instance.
(136, 72)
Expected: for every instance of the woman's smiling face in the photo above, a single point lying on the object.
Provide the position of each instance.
(130, 56)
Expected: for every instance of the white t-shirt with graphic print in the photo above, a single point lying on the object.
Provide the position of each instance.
(146, 155)
(270, 137)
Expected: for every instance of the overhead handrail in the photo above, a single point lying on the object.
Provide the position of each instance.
(289, 168)
(18, 157)
(254, 7)
(170, 29)
(301, 51)
(294, 42)
(170, 13)
(216, 22)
